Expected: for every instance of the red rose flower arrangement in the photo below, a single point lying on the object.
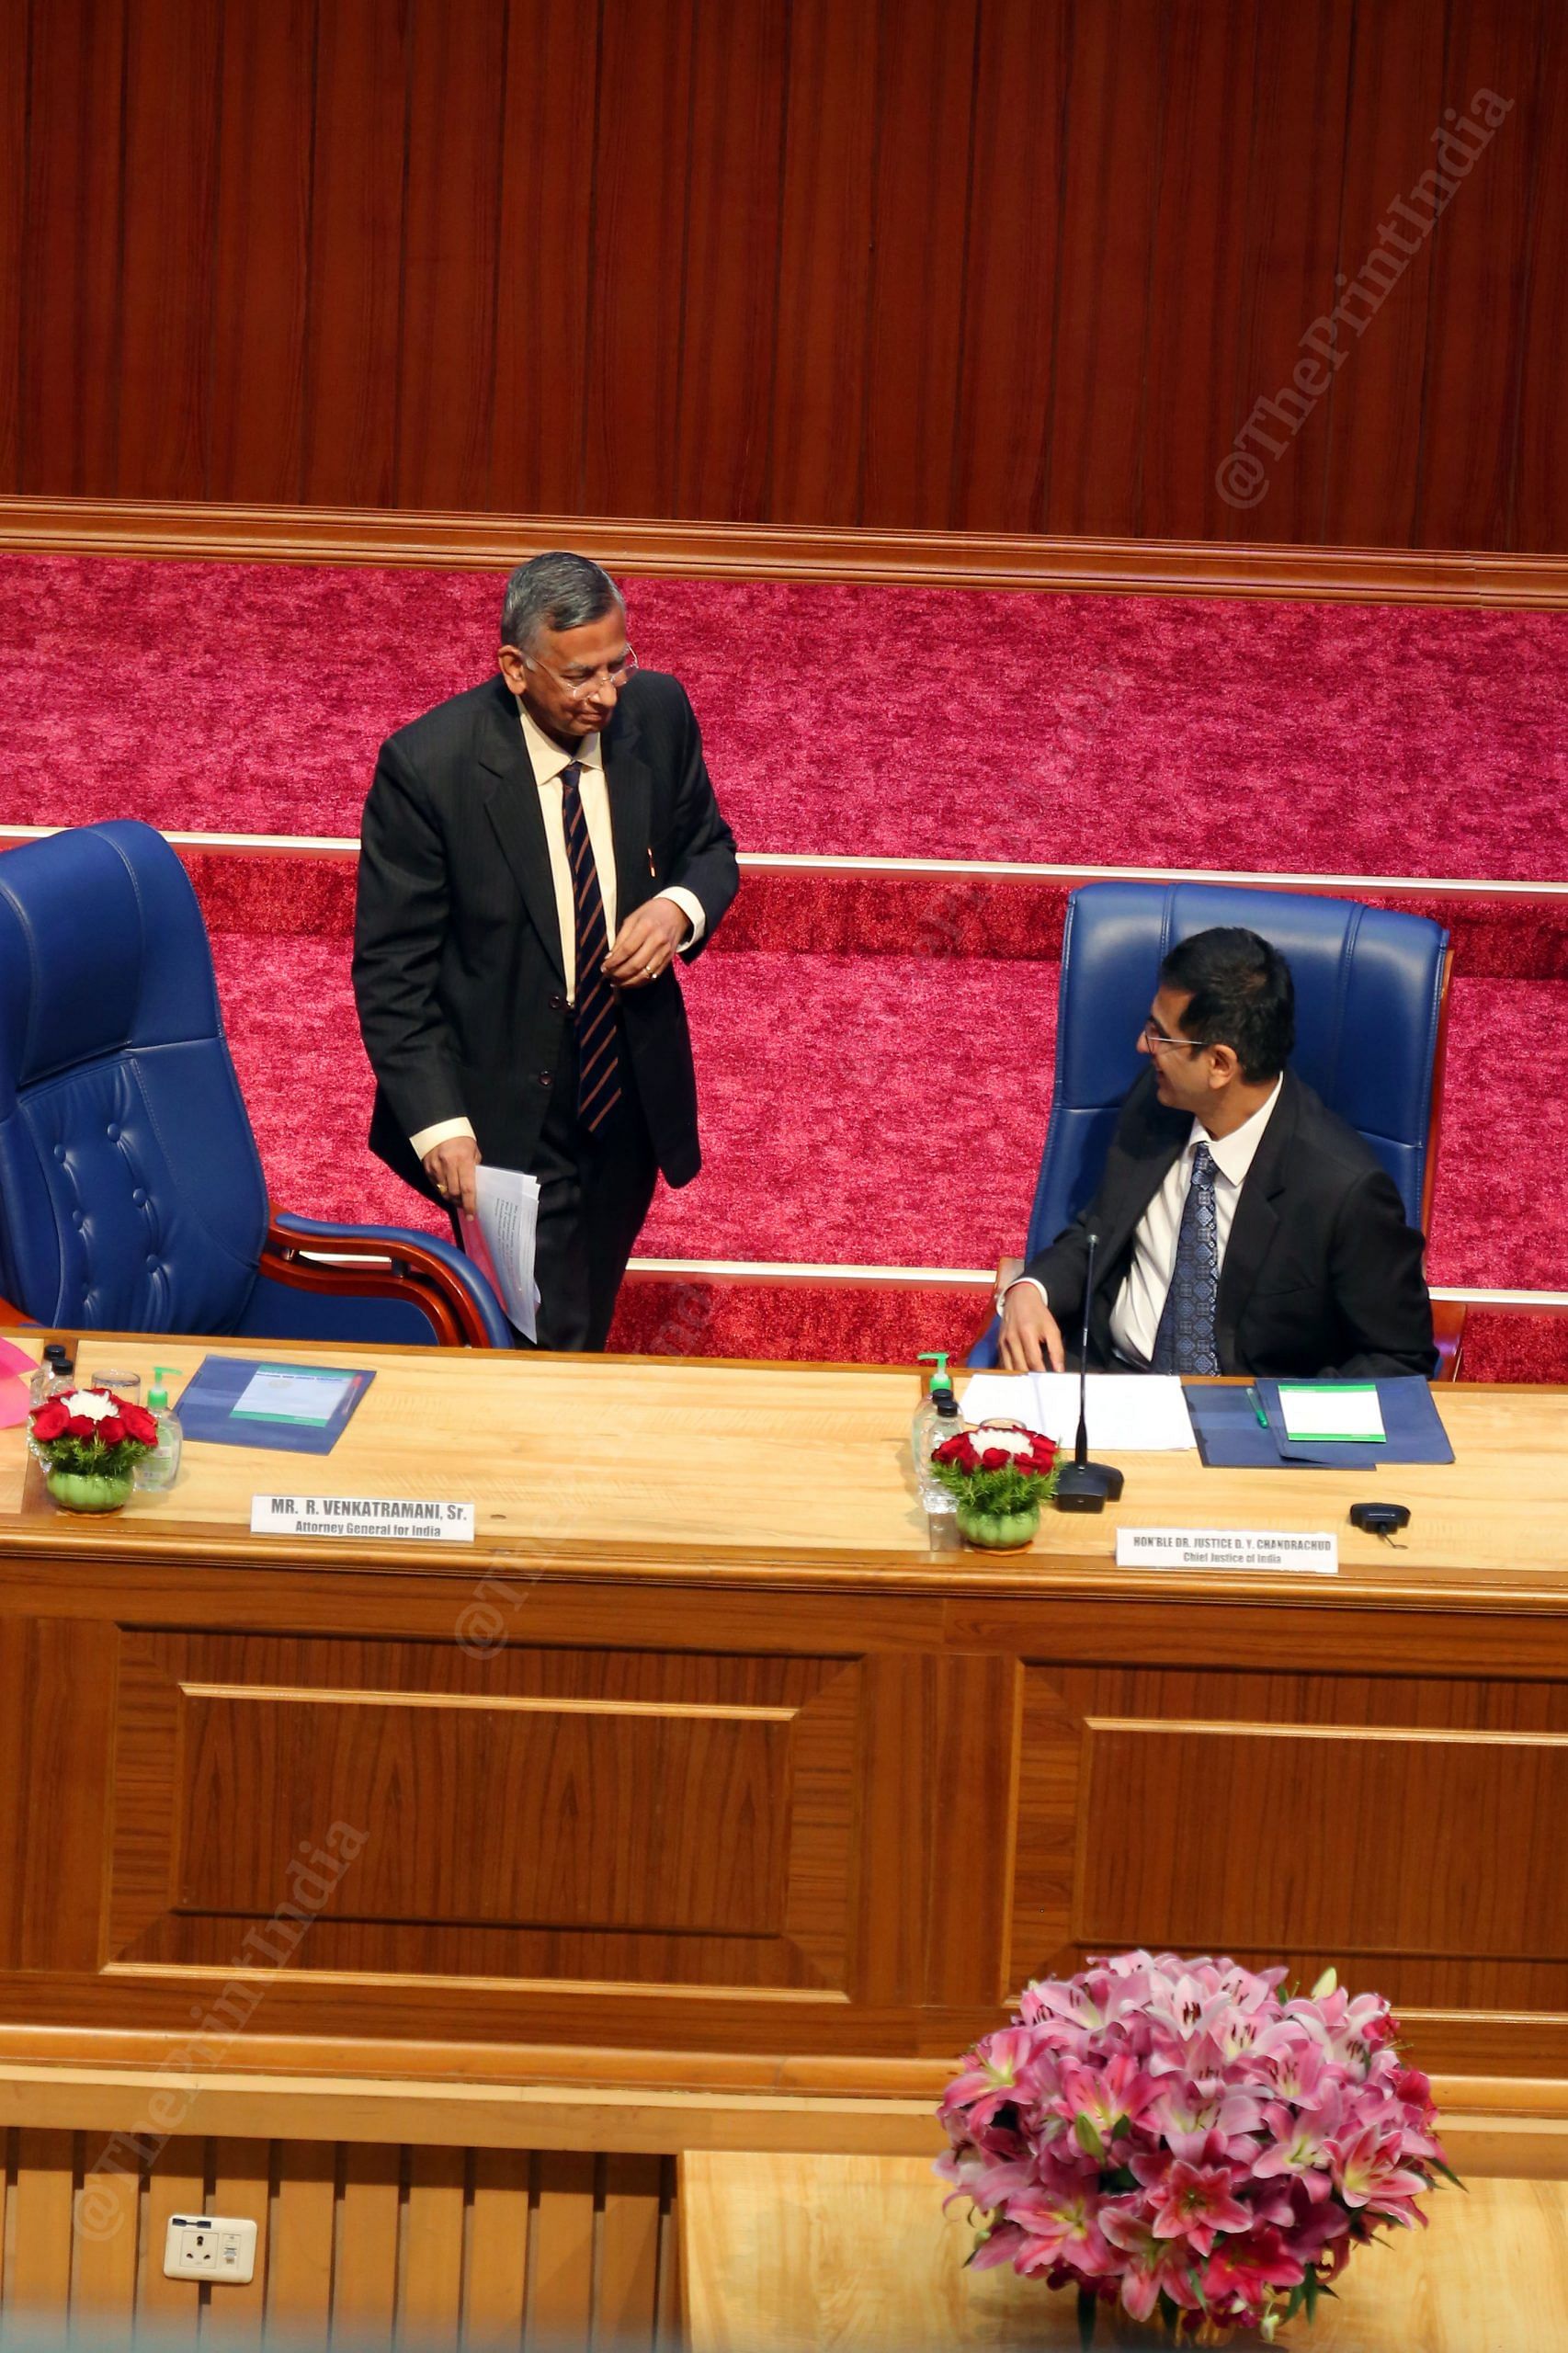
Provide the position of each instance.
(91, 1433)
(997, 1469)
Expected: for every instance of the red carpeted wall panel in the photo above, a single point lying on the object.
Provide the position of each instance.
(866, 915)
(888, 1110)
(1142, 731)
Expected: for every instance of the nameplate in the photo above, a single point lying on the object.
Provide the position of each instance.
(1226, 1548)
(390, 1520)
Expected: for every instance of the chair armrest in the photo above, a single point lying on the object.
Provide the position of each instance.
(391, 1261)
(1448, 1331)
(1007, 1271)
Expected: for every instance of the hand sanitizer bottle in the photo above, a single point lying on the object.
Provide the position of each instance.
(937, 1418)
(160, 1468)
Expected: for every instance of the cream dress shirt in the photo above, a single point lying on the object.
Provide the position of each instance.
(1135, 1317)
(550, 763)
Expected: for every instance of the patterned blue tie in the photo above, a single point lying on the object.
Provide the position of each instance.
(1185, 1341)
(598, 1043)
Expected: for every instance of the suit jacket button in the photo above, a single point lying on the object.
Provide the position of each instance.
(558, 1002)
(547, 1078)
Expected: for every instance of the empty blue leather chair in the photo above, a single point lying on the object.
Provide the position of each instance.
(1370, 996)
(132, 1195)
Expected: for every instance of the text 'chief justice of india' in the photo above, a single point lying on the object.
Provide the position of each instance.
(535, 854)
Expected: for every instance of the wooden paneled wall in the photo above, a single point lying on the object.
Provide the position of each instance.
(984, 265)
(358, 2243)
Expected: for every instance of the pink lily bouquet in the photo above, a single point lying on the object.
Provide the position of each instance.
(1172, 2137)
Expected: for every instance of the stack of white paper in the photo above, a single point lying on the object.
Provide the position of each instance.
(1129, 1412)
(1330, 1411)
(500, 1240)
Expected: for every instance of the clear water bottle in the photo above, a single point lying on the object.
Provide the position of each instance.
(52, 1374)
(937, 1418)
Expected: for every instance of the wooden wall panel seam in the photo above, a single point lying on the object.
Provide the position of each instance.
(588, 309)
(410, 10)
(1339, 251)
(1526, 276)
(782, 168)
(952, 501)
(1423, 392)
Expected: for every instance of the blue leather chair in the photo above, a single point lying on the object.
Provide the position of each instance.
(1371, 993)
(132, 1195)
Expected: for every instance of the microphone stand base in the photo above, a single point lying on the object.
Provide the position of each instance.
(1089, 1486)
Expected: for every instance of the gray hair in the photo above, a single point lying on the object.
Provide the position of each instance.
(557, 590)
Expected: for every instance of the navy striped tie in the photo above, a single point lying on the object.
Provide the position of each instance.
(599, 1044)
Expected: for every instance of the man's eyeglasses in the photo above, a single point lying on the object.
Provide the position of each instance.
(1158, 1042)
(579, 684)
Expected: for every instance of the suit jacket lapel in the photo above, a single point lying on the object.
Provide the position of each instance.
(631, 789)
(1256, 1223)
(511, 798)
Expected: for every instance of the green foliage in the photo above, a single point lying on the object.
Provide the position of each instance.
(87, 1458)
(997, 1491)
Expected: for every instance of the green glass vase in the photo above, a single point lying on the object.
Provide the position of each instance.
(91, 1490)
(999, 1532)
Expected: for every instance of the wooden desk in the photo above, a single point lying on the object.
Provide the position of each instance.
(802, 2254)
(700, 1752)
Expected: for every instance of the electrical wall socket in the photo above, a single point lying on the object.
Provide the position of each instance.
(209, 2246)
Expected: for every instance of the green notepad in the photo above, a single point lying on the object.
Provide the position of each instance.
(1341, 1412)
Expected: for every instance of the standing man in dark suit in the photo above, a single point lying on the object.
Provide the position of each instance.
(535, 854)
(1243, 1228)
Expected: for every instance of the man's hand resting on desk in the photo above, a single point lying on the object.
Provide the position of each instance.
(1031, 1338)
(450, 1167)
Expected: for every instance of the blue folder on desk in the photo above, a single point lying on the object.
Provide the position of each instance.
(1231, 1438)
(221, 1404)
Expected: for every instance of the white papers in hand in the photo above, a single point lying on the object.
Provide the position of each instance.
(1131, 1412)
(500, 1239)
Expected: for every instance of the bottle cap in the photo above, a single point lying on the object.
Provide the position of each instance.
(941, 1379)
(947, 1404)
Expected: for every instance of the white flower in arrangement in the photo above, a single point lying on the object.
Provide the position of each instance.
(90, 1404)
(1010, 1441)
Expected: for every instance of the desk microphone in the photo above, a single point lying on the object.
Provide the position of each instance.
(1085, 1485)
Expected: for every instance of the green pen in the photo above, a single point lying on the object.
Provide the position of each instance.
(1256, 1402)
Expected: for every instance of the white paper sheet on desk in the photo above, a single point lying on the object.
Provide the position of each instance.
(1131, 1412)
(500, 1239)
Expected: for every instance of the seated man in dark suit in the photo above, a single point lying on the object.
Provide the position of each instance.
(1243, 1228)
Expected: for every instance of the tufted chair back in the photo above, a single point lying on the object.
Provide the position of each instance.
(1370, 985)
(132, 1196)
(1370, 994)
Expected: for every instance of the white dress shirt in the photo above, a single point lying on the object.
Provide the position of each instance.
(550, 762)
(1138, 1304)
